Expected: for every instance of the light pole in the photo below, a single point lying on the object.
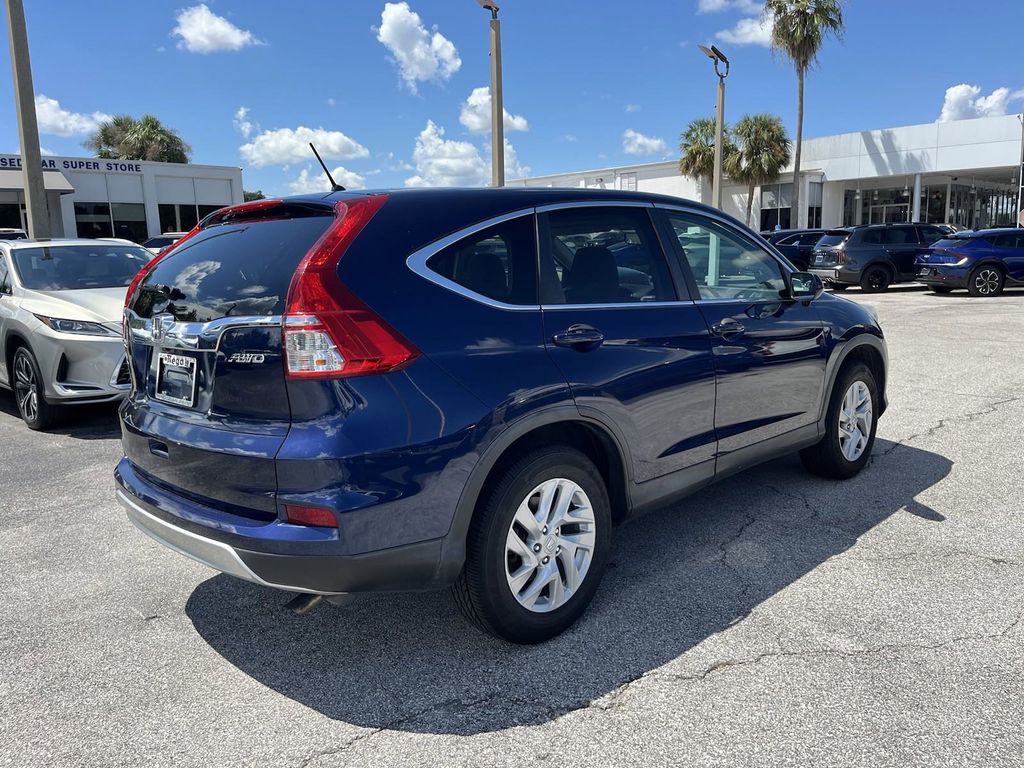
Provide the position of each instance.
(28, 128)
(497, 105)
(719, 58)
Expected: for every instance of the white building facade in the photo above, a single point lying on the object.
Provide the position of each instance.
(95, 197)
(966, 172)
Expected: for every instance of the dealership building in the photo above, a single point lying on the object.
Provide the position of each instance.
(95, 197)
(966, 172)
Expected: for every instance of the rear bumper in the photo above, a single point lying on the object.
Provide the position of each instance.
(936, 274)
(836, 275)
(229, 550)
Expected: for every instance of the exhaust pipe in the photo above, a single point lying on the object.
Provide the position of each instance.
(304, 602)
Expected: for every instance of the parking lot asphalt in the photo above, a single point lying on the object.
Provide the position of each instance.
(772, 619)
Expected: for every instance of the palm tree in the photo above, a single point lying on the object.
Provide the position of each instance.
(762, 151)
(800, 28)
(697, 145)
(125, 138)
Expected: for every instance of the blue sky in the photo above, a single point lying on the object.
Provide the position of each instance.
(387, 89)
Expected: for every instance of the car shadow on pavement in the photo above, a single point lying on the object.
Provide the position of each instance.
(676, 577)
(84, 422)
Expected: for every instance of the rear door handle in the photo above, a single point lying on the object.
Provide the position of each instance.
(580, 337)
(727, 328)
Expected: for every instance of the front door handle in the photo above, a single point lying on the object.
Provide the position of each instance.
(727, 328)
(580, 337)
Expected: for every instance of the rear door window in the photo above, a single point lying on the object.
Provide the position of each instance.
(603, 255)
(872, 237)
(499, 262)
(810, 238)
(931, 234)
(233, 269)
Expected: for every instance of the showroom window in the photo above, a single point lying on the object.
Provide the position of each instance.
(814, 204)
(776, 200)
(10, 215)
(178, 217)
(129, 221)
(93, 220)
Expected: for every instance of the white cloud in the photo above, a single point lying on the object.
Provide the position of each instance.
(419, 53)
(243, 124)
(288, 145)
(330, 101)
(475, 113)
(56, 120)
(754, 31)
(441, 162)
(203, 31)
(45, 151)
(632, 108)
(513, 168)
(311, 181)
(636, 143)
(964, 101)
(570, 137)
(714, 6)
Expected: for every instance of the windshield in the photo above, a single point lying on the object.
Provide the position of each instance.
(832, 239)
(75, 267)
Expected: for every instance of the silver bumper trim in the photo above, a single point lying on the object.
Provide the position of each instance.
(215, 554)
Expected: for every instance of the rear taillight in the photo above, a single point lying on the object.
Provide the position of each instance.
(327, 330)
(141, 274)
(841, 256)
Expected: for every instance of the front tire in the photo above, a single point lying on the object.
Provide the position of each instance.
(875, 279)
(986, 281)
(537, 547)
(28, 391)
(850, 425)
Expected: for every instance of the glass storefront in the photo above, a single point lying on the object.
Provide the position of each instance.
(974, 206)
(93, 220)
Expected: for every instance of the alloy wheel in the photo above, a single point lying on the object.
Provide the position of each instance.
(25, 389)
(987, 281)
(550, 545)
(855, 417)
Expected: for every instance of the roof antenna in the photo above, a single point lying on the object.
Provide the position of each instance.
(335, 186)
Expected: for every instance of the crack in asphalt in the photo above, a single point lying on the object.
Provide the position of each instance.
(944, 422)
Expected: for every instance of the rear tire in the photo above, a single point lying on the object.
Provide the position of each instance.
(845, 448)
(875, 279)
(986, 281)
(28, 391)
(527, 578)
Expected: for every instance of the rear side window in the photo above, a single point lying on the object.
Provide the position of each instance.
(791, 240)
(499, 262)
(900, 236)
(872, 237)
(810, 238)
(232, 269)
(5, 284)
(604, 255)
(1007, 241)
(931, 234)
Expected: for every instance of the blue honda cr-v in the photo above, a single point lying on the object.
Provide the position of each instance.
(420, 388)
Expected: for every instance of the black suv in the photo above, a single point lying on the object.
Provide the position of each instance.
(797, 245)
(872, 256)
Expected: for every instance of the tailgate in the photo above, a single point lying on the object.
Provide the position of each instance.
(209, 406)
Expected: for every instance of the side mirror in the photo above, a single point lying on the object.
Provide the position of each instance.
(804, 285)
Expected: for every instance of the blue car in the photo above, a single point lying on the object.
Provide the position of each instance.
(984, 262)
(407, 390)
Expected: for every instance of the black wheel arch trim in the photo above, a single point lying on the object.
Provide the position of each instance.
(862, 337)
(453, 549)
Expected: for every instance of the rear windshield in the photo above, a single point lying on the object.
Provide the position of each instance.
(833, 239)
(231, 269)
(79, 267)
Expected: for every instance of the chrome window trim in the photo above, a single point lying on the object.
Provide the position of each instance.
(198, 337)
(417, 261)
(618, 305)
(595, 204)
(785, 268)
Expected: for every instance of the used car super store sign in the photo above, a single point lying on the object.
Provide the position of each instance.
(13, 162)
